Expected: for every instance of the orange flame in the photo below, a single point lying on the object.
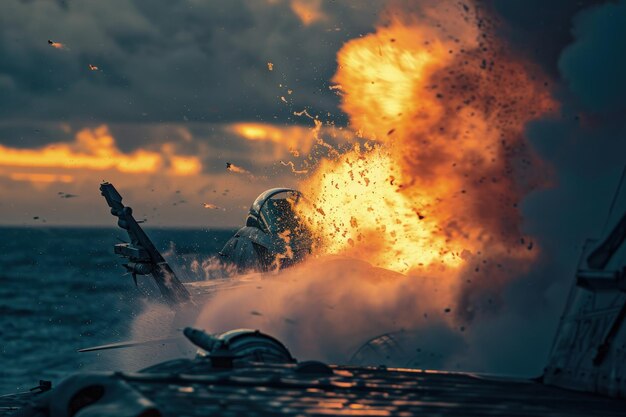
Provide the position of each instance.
(439, 187)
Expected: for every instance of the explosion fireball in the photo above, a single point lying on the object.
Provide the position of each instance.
(429, 189)
(444, 106)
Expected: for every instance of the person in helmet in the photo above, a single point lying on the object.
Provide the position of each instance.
(273, 237)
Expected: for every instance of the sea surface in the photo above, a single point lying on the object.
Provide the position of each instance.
(62, 289)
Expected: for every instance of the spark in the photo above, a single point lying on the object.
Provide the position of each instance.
(237, 169)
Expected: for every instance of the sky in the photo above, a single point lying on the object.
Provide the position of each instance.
(176, 90)
(158, 97)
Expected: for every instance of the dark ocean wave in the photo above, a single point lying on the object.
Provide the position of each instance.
(62, 289)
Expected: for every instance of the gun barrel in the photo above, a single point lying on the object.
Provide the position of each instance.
(141, 251)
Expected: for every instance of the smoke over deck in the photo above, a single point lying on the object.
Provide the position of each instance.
(429, 196)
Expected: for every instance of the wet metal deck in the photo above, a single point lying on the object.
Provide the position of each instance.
(192, 388)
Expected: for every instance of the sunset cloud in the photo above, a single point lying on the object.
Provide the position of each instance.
(167, 172)
(41, 178)
(96, 149)
(295, 139)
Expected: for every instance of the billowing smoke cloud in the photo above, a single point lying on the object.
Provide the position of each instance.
(583, 147)
(438, 193)
(327, 308)
(594, 65)
(447, 105)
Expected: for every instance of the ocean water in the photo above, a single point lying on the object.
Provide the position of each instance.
(62, 289)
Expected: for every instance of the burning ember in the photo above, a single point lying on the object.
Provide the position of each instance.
(236, 169)
(56, 45)
(437, 186)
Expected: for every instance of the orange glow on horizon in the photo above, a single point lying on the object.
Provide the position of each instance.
(96, 149)
(92, 149)
(41, 178)
(185, 165)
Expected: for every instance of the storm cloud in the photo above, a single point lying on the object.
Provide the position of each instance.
(175, 74)
(170, 61)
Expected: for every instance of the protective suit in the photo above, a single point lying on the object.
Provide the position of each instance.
(273, 237)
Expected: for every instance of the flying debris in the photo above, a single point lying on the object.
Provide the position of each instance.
(93, 67)
(270, 66)
(293, 167)
(236, 169)
(210, 206)
(303, 112)
(56, 45)
(66, 195)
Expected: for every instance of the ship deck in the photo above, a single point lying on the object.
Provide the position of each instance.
(193, 388)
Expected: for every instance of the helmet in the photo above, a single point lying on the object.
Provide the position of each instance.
(273, 211)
